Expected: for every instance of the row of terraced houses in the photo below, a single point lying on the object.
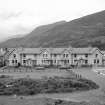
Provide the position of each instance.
(54, 56)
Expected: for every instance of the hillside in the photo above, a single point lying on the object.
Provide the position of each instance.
(82, 32)
(30, 40)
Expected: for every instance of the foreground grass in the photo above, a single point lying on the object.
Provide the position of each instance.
(28, 86)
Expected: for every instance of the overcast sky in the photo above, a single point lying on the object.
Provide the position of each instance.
(21, 16)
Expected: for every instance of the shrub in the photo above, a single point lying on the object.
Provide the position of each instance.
(49, 85)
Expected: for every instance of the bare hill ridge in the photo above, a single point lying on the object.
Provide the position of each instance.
(82, 32)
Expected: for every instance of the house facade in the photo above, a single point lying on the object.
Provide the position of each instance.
(55, 56)
(87, 56)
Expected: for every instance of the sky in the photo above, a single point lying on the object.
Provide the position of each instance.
(19, 17)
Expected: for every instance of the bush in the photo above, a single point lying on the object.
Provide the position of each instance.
(49, 85)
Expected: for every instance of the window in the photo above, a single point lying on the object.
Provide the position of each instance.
(55, 55)
(86, 55)
(24, 61)
(14, 55)
(68, 61)
(98, 61)
(63, 55)
(55, 61)
(75, 55)
(45, 55)
(96, 55)
(15, 61)
(51, 55)
(66, 55)
(24, 55)
(35, 55)
(94, 60)
(75, 60)
(86, 61)
(12, 61)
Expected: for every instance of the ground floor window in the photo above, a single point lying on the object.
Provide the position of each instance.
(15, 61)
(97, 61)
(55, 61)
(86, 61)
(24, 61)
(12, 61)
(68, 61)
(94, 61)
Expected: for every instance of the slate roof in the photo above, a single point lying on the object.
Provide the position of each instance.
(9, 52)
(57, 50)
(31, 51)
(88, 50)
(103, 52)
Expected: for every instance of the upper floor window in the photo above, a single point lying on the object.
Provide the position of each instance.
(24, 61)
(86, 61)
(45, 55)
(75, 55)
(63, 55)
(14, 55)
(15, 61)
(68, 61)
(67, 55)
(51, 55)
(96, 55)
(86, 55)
(24, 55)
(55, 55)
(12, 61)
(75, 60)
(55, 61)
(35, 55)
(94, 60)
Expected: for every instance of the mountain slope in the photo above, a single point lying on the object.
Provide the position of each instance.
(85, 31)
(30, 40)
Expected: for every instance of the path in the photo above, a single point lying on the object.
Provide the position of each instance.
(92, 95)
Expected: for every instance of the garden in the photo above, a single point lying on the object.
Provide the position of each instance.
(29, 86)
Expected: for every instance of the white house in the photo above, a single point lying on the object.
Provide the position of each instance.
(55, 56)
